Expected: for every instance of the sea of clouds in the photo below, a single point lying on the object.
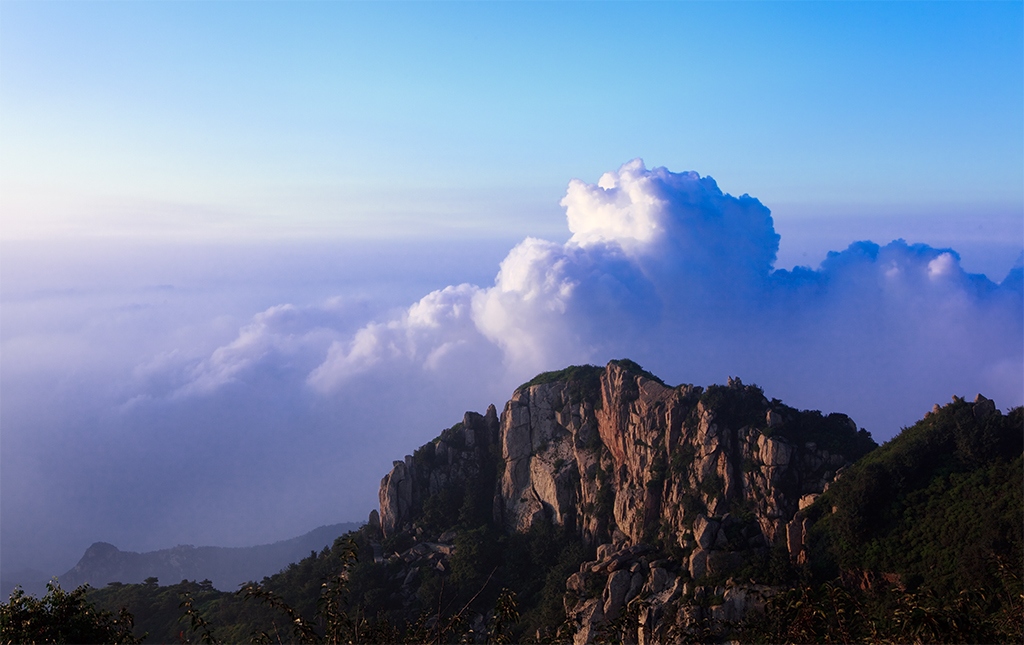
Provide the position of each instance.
(243, 432)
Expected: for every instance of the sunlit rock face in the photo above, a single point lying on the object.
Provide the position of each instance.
(636, 456)
(717, 477)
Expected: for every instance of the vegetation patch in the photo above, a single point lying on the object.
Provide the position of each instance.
(583, 383)
(712, 486)
(834, 432)
(682, 458)
(941, 504)
(659, 469)
(736, 405)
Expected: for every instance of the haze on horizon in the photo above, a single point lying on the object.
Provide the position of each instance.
(252, 253)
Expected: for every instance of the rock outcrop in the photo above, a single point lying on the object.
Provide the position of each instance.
(642, 457)
(679, 491)
(460, 454)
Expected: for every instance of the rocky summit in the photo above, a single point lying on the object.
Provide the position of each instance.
(679, 494)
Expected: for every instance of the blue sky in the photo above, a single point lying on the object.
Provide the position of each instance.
(250, 253)
(216, 120)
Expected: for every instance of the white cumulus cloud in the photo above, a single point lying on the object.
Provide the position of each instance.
(666, 269)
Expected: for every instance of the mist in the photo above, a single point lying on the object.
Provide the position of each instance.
(156, 394)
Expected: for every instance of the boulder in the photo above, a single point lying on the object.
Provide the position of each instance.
(983, 407)
(615, 591)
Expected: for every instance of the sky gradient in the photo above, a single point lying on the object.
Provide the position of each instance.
(221, 120)
(250, 253)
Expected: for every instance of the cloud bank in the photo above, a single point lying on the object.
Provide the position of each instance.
(667, 269)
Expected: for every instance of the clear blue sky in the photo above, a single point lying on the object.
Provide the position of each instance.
(238, 118)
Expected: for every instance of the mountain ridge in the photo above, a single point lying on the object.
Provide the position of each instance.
(225, 567)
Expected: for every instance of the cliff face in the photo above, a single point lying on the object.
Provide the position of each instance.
(648, 460)
(674, 488)
(462, 453)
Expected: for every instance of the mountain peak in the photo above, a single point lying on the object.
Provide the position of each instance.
(624, 461)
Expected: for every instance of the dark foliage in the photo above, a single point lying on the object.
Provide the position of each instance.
(735, 405)
(834, 612)
(834, 432)
(939, 505)
(583, 383)
(921, 541)
(61, 617)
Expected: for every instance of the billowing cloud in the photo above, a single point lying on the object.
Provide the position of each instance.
(644, 243)
(426, 334)
(666, 268)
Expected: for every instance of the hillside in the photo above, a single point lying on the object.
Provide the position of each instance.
(603, 505)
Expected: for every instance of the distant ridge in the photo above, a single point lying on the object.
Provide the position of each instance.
(225, 567)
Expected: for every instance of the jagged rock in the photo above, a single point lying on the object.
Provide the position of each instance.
(705, 531)
(615, 593)
(774, 452)
(794, 537)
(576, 583)
(453, 458)
(590, 616)
(739, 601)
(658, 581)
(621, 459)
(690, 615)
(636, 584)
(807, 500)
(983, 407)
(721, 541)
(395, 497)
(644, 429)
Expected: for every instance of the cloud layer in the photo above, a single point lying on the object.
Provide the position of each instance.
(232, 432)
(665, 268)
